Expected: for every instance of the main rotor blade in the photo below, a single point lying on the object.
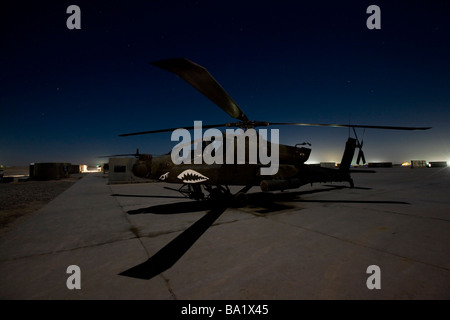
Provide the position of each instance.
(172, 129)
(117, 155)
(172, 252)
(123, 155)
(349, 126)
(264, 124)
(198, 77)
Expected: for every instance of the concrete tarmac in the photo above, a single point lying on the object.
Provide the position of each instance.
(310, 243)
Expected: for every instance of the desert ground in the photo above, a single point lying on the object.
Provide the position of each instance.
(18, 200)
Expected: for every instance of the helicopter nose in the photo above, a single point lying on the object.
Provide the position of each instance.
(142, 167)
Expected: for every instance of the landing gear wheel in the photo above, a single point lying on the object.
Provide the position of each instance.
(196, 192)
(218, 193)
(240, 200)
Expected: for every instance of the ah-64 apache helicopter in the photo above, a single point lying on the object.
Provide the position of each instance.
(196, 177)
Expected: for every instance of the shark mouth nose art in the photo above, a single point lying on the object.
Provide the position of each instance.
(191, 176)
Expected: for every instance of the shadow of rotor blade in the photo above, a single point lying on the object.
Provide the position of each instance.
(289, 195)
(354, 201)
(347, 187)
(145, 196)
(175, 208)
(172, 252)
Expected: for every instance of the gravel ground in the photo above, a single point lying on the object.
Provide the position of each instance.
(20, 199)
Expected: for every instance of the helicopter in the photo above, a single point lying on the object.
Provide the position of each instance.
(204, 181)
(201, 181)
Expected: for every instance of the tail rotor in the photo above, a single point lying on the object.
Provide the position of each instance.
(359, 145)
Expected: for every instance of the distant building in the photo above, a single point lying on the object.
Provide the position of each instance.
(379, 164)
(331, 165)
(75, 168)
(418, 163)
(121, 170)
(438, 164)
(50, 170)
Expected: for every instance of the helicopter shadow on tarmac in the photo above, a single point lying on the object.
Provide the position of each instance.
(268, 202)
(166, 257)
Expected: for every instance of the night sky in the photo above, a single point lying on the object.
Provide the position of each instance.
(66, 95)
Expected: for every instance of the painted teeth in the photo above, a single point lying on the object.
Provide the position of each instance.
(191, 176)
